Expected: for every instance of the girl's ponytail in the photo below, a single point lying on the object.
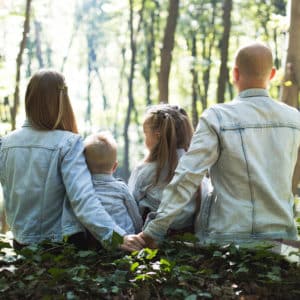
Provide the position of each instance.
(167, 147)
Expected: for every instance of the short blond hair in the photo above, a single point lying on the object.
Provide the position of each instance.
(254, 61)
(100, 152)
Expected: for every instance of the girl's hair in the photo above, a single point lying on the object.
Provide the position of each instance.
(47, 103)
(174, 132)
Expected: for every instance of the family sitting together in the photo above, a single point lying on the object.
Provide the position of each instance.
(229, 181)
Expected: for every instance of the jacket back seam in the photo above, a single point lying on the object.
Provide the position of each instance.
(249, 180)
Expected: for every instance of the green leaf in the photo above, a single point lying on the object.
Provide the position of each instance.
(114, 243)
(86, 253)
(4, 285)
(57, 273)
(71, 296)
(4, 245)
(134, 266)
(147, 253)
(115, 290)
(191, 297)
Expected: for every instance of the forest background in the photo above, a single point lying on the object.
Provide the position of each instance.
(119, 57)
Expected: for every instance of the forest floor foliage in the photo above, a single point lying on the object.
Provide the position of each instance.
(178, 270)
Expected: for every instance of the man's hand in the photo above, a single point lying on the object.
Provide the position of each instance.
(133, 242)
(150, 242)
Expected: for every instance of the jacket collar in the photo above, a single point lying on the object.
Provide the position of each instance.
(249, 93)
(26, 123)
(103, 177)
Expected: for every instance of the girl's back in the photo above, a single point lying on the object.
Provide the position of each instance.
(168, 133)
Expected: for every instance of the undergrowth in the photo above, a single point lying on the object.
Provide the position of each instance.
(178, 270)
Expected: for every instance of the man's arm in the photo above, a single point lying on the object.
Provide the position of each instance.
(202, 154)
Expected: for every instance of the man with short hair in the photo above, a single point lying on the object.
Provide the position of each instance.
(249, 146)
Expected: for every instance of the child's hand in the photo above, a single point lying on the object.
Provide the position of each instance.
(133, 242)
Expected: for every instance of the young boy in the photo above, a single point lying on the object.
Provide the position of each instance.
(101, 157)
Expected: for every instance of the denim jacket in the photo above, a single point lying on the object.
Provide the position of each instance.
(38, 169)
(118, 202)
(148, 195)
(250, 148)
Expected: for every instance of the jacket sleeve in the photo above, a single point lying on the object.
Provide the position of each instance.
(133, 211)
(135, 183)
(202, 154)
(79, 187)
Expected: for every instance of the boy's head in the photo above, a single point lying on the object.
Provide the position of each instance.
(101, 153)
(253, 66)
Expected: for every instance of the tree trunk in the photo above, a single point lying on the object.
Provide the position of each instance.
(207, 53)
(133, 36)
(166, 51)
(120, 92)
(37, 29)
(224, 73)
(195, 81)
(291, 83)
(105, 104)
(150, 46)
(14, 109)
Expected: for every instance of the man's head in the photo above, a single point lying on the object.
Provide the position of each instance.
(253, 67)
(101, 153)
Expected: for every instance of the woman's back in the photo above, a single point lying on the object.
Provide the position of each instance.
(32, 163)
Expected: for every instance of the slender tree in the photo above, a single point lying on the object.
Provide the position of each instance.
(79, 11)
(166, 51)
(37, 30)
(208, 39)
(224, 72)
(195, 80)
(150, 43)
(291, 83)
(16, 102)
(133, 47)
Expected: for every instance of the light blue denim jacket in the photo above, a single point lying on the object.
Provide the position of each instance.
(38, 169)
(250, 147)
(118, 202)
(148, 196)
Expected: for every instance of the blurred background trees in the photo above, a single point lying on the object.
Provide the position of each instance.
(120, 56)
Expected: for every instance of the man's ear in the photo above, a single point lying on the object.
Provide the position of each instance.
(272, 74)
(235, 74)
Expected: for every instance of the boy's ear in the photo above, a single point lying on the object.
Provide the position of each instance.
(272, 74)
(115, 166)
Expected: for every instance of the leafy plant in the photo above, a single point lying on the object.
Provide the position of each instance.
(178, 270)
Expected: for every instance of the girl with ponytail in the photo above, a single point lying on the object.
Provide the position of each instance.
(168, 132)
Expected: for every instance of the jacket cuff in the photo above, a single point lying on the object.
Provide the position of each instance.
(155, 232)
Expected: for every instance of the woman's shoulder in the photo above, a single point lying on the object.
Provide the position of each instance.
(64, 138)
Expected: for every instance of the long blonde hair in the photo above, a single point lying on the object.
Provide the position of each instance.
(47, 103)
(175, 132)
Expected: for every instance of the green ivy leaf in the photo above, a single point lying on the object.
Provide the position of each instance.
(114, 243)
(134, 266)
(57, 273)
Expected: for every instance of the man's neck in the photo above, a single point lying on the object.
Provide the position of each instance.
(243, 87)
